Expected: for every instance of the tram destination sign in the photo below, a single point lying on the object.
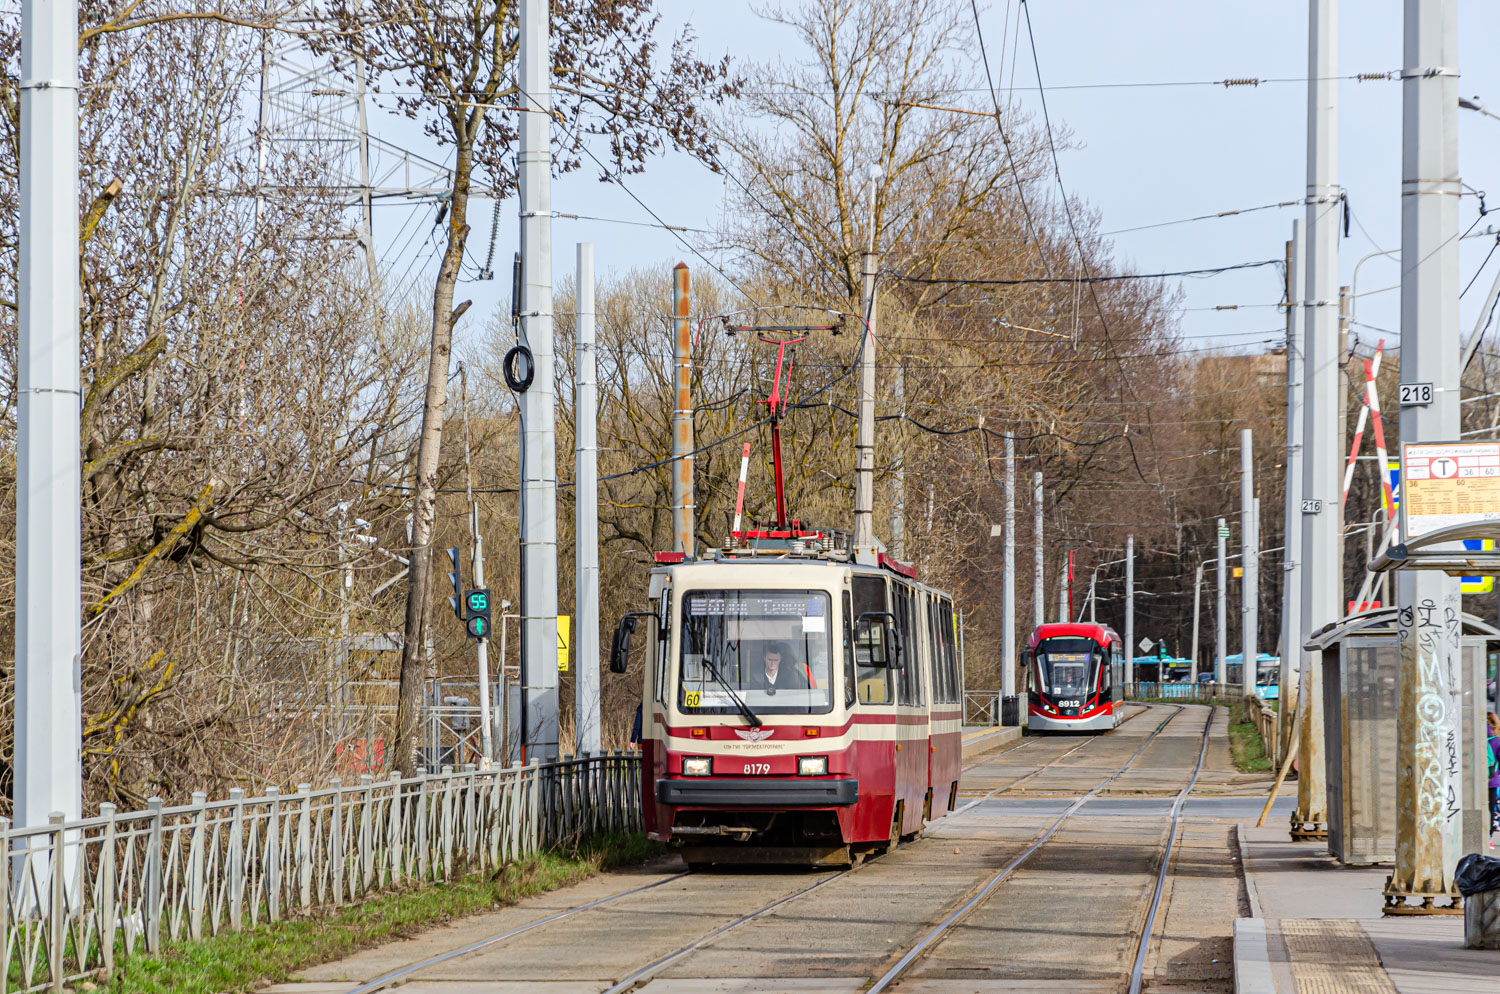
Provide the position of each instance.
(1448, 483)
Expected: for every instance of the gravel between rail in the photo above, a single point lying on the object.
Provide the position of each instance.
(1065, 920)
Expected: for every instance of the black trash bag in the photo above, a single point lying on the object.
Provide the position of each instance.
(1476, 874)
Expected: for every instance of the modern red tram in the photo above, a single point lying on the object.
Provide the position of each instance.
(796, 707)
(1074, 678)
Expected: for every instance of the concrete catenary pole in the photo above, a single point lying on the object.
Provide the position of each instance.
(1221, 618)
(1249, 553)
(1008, 580)
(864, 479)
(586, 512)
(1129, 609)
(1428, 687)
(1038, 595)
(48, 721)
(1291, 589)
(1197, 653)
(1323, 391)
(682, 413)
(538, 415)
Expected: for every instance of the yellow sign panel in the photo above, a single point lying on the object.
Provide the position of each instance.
(1238, 571)
(1448, 483)
(564, 629)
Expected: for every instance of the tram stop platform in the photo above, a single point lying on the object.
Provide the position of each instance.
(1315, 927)
(983, 740)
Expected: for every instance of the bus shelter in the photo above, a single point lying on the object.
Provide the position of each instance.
(1360, 657)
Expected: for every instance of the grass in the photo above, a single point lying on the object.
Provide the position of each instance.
(238, 962)
(1245, 744)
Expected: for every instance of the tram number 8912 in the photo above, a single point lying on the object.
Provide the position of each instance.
(1070, 704)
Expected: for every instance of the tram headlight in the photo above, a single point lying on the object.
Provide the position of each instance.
(812, 766)
(697, 766)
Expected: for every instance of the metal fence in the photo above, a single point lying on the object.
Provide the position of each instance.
(1201, 692)
(144, 880)
(981, 707)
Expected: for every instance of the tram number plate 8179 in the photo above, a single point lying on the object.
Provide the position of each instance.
(754, 768)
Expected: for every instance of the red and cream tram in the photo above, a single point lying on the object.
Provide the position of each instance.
(796, 706)
(1074, 678)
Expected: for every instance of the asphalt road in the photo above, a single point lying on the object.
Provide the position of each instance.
(1069, 918)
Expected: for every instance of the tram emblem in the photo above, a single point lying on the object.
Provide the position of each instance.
(755, 735)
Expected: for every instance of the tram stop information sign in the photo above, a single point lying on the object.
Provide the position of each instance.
(1448, 483)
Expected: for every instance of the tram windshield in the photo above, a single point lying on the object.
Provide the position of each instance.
(1067, 666)
(770, 648)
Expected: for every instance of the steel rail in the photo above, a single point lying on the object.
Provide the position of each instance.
(398, 974)
(962, 911)
(649, 971)
(1138, 969)
(646, 972)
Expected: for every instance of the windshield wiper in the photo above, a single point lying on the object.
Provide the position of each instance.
(739, 702)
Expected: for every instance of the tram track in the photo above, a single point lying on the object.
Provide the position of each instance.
(929, 941)
(653, 969)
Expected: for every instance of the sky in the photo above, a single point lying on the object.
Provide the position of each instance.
(1154, 138)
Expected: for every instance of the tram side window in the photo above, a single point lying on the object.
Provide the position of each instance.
(942, 674)
(950, 653)
(874, 682)
(910, 675)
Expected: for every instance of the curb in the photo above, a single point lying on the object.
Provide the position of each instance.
(982, 745)
(1252, 958)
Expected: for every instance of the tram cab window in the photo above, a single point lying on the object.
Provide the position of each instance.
(662, 645)
(1067, 666)
(851, 680)
(948, 651)
(771, 649)
(874, 682)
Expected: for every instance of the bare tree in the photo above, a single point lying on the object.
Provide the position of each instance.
(453, 69)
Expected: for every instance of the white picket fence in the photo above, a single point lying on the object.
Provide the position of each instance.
(148, 879)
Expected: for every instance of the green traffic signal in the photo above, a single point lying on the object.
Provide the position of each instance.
(479, 627)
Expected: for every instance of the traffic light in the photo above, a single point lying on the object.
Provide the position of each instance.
(456, 602)
(477, 614)
(1161, 649)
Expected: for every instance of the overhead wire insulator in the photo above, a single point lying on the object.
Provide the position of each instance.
(1242, 81)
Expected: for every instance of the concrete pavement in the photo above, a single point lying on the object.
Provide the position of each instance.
(1316, 926)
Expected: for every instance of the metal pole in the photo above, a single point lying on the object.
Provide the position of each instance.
(476, 556)
(1429, 691)
(1250, 588)
(1321, 571)
(1093, 582)
(898, 465)
(486, 735)
(864, 481)
(586, 512)
(1197, 607)
(682, 414)
(48, 722)
(1129, 609)
(1291, 576)
(1038, 598)
(1221, 625)
(1062, 594)
(1008, 579)
(539, 468)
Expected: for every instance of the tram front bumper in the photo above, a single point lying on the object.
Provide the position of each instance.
(761, 792)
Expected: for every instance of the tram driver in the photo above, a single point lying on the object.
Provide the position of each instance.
(777, 670)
